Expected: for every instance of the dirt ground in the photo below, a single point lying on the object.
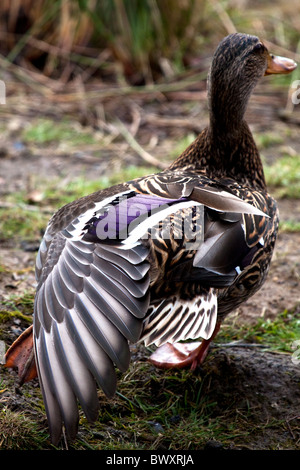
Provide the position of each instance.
(266, 382)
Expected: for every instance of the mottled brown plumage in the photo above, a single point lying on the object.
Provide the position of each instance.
(159, 259)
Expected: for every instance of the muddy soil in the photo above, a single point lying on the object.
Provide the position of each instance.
(264, 382)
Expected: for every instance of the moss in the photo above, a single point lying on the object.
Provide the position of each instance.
(6, 315)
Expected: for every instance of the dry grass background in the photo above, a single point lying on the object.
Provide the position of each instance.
(138, 41)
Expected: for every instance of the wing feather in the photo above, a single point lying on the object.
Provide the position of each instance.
(175, 319)
(96, 359)
(86, 311)
(103, 329)
(61, 292)
(117, 313)
(136, 288)
(60, 400)
(74, 284)
(117, 290)
(76, 267)
(78, 375)
(135, 272)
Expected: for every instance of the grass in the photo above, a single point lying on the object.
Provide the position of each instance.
(7, 315)
(276, 335)
(268, 139)
(155, 409)
(284, 176)
(15, 310)
(24, 224)
(128, 39)
(181, 145)
(80, 186)
(289, 226)
(19, 432)
(45, 131)
(134, 36)
(27, 222)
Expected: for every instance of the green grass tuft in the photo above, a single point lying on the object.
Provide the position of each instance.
(284, 176)
(45, 131)
(18, 432)
(21, 223)
(277, 334)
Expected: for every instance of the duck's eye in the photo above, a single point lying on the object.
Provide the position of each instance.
(259, 47)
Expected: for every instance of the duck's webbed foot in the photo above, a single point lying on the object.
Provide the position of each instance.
(179, 355)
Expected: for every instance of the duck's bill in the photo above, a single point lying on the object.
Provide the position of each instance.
(277, 64)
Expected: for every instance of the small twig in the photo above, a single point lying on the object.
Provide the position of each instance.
(136, 120)
(237, 344)
(288, 425)
(23, 75)
(137, 148)
(169, 121)
(22, 205)
(224, 17)
(115, 91)
(290, 429)
(65, 439)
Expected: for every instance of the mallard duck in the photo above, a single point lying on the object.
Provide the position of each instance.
(160, 259)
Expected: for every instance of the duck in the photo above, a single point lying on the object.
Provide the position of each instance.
(161, 259)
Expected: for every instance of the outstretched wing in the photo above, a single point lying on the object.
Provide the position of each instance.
(90, 302)
(94, 290)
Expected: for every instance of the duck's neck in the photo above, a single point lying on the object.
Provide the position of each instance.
(228, 98)
(232, 149)
(221, 151)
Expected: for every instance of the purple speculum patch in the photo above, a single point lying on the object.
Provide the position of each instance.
(122, 215)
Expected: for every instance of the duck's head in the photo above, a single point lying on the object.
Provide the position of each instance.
(239, 62)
